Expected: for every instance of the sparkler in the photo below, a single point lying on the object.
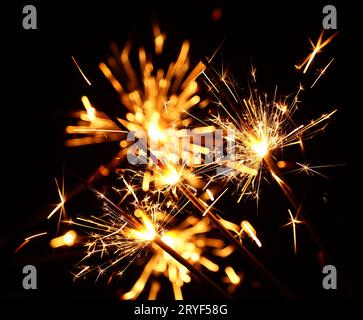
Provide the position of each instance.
(260, 132)
(158, 102)
(262, 129)
(119, 235)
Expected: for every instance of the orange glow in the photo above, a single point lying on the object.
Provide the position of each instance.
(232, 275)
(251, 232)
(91, 112)
(170, 176)
(146, 233)
(68, 239)
(260, 147)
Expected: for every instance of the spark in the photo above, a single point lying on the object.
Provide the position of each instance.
(59, 206)
(118, 234)
(293, 222)
(36, 236)
(154, 290)
(82, 272)
(81, 72)
(27, 240)
(210, 194)
(90, 130)
(207, 208)
(91, 111)
(253, 73)
(316, 48)
(21, 246)
(159, 39)
(307, 169)
(322, 72)
(232, 275)
(251, 232)
(62, 197)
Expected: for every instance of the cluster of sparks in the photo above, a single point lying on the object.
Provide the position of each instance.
(121, 235)
(264, 128)
(156, 225)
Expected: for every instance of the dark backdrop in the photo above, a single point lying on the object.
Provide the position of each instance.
(40, 85)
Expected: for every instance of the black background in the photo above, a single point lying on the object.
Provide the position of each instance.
(40, 85)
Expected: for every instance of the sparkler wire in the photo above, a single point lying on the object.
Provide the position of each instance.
(196, 272)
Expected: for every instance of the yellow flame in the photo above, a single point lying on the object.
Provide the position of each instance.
(171, 176)
(155, 133)
(146, 232)
(91, 112)
(260, 147)
(67, 239)
(168, 239)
